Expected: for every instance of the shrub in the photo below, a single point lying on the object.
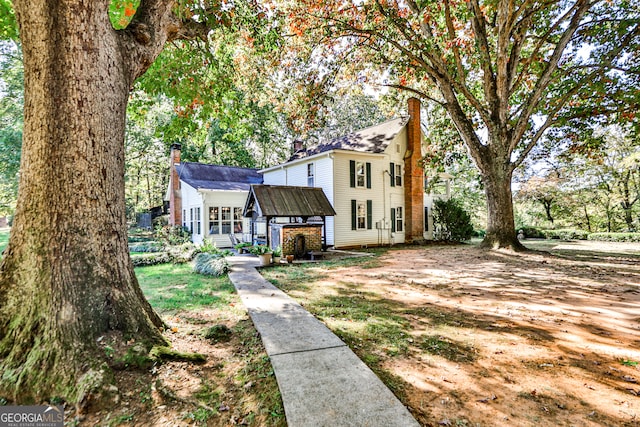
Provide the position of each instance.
(259, 249)
(150, 246)
(452, 222)
(183, 253)
(566, 234)
(208, 247)
(210, 265)
(174, 235)
(151, 259)
(615, 237)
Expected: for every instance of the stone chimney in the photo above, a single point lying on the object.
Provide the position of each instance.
(414, 176)
(175, 196)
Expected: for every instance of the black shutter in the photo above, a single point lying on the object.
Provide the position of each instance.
(393, 220)
(426, 218)
(369, 214)
(352, 171)
(392, 171)
(368, 174)
(354, 215)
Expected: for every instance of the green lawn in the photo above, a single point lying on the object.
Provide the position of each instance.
(4, 238)
(171, 287)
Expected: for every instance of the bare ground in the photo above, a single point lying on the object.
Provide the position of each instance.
(504, 339)
(235, 386)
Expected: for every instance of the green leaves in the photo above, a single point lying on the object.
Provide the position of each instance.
(121, 12)
(8, 24)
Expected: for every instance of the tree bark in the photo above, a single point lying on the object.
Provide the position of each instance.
(501, 232)
(67, 279)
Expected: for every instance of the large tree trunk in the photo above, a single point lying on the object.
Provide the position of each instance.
(501, 231)
(66, 279)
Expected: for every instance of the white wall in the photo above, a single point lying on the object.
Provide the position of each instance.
(232, 199)
(295, 174)
(191, 199)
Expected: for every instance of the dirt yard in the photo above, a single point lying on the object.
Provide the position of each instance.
(496, 338)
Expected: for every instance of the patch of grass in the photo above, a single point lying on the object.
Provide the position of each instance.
(207, 394)
(257, 375)
(447, 348)
(200, 415)
(172, 287)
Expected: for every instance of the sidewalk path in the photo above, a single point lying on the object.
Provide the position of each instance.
(322, 382)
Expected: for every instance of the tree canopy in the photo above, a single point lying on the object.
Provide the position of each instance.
(505, 71)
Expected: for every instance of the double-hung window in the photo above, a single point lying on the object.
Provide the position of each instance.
(395, 172)
(214, 220)
(399, 219)
(361, 215)
(311, 175)
(360, 174)
(226, 220)
(398, 175)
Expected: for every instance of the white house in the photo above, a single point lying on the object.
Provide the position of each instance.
(209, 199)
(374, 180)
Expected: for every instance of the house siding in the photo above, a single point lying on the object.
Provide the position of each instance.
(192, 199)
(344, 194)
(296, 175)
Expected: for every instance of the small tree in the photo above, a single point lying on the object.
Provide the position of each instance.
(452, 222)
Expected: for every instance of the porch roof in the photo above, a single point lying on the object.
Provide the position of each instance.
(287, 201)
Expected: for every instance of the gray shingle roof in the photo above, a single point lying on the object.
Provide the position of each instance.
(374, 139)
(216, 177)
(283, 201)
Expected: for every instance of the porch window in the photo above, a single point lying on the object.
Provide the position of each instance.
(237, 220)
(310, 175)
(214, 220)
(226, 220)
(198, 223)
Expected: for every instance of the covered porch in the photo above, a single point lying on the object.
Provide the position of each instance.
(287, 216)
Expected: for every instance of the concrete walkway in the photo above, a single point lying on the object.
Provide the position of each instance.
(322, 382)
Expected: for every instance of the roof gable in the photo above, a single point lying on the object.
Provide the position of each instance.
(217, 177)
(284, 201)
(374, 139)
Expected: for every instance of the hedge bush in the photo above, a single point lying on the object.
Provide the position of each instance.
(149, 246)
(615, 237)
(140, 260)
(566, 234)
(452, 222)
(210, 265)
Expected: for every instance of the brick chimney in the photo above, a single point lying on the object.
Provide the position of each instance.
(414, 176)
(175, 196)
